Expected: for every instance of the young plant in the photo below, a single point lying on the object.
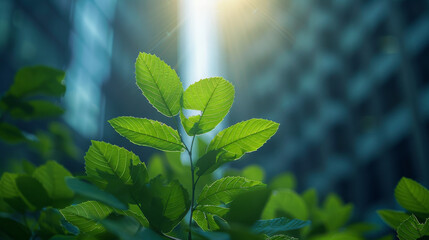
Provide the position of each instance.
(412, 224)
(158, 204)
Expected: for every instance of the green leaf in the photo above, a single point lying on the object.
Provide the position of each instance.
(50, 223)
(28, 167)
(337, 236)
(412, 229)
(225, 189)
(204, 216)
(412, 196)
(116, 171)
(37, 80)
(247, 207)
(127, 228)
(37, 109)
(159, 84)
(213, 97)
(164, 205)
(86, 216)
(94, 193)
(240, 232)
(361, 228)
(285, 203)
(147, 233)
(4, 207)
(393, 218)
(278, 225)
(244, 137)
(14, 229)
(241, 138)
(33, 192)
(285, 180)
(146, 132)
(253, 172)
(10, 133)
(207, 163)
(135, 212)
(156, 166)
(64, 140)
(206, 235)
(139, 175)
(202, 145)
(52, 176)
(334, 213)
(311, 199)
(10, 193)
(106, 159)
(387, 237)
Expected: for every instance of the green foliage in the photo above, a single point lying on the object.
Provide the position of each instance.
(10, 192)
(56, 143)
(218, 193)
(244, 212)
(94, 193)
(253, 172)
(393, 218)
(38, 80)
(159, 84)
(39, 109)
(334, 213)
(85, 216)
(225, 189)
(412, 196)
(328, 220)
(232, 143)
(33, 195)
(32, 192)
(213, 97)
(50, 223)
(109, 164)
(146, 132)
(13, 229)
(51, 175)
(29, 82)
(204, 216)
(10, 133)
(412, 229)
(163, 201)
(122, 198)
(164, 205)
(21, 100)
(285, 202)
(280, 237)
(285, 180)
(34, 96)
(413, 224)
(278, 225)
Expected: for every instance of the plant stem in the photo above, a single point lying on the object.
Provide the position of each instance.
(193, 189)
(194, 183)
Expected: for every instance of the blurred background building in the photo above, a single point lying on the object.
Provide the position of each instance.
(347, 79)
